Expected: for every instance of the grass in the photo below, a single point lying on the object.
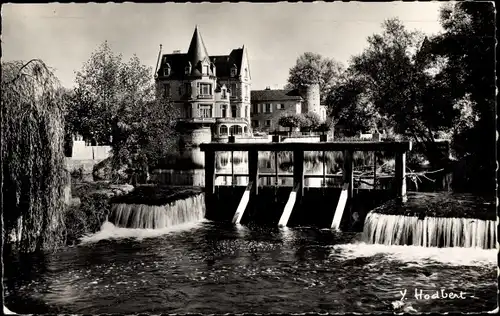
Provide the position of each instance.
(441, 204)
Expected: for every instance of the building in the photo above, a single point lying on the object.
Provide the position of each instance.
(208, 91)
(270, 104)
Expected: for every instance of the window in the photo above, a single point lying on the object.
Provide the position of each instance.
(268, 108)
(187, 70)
(237, 130)
(205, 89)
(268, 123)
(188, 110)
(187, 88)
(246, 72)
(246, 91)
(223, 95)
(255, 123)
(234, 71)
(245, 130)
(166, 70)
(280, 106)
(233, 89)
(205, 110)
(233, 111)
(205, 69)
(255, 108)
(224, 110)
(166, 90)
(223, 130)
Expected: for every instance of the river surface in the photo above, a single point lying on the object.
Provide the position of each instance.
(210, 267)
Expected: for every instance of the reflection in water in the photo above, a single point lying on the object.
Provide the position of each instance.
(221, 268)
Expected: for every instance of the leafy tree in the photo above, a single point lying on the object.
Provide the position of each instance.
(118, 101)
(391, 85)
(312, 68)
(99, 86)
(467, 47)
(33, 175)
(310, 121)
(349, 105)
(291, 121)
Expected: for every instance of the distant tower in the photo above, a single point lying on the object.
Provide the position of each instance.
(310, 94)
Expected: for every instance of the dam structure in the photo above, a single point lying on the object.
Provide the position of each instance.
(271, 203)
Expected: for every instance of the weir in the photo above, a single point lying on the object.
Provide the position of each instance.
(251, 195)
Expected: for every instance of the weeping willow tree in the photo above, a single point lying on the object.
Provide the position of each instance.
(33, 173)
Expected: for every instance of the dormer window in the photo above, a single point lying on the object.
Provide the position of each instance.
(223, 93)
(206, 69)
(187, 70)
(234, 71)
(166, 70)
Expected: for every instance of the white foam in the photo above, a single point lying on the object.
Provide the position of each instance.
(455, 256)
(110, 231)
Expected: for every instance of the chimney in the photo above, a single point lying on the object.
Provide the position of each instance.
(268, 88)
(177, 51)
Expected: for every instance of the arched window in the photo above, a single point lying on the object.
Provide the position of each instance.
(245, 129)
(223, 130)
(232, 130)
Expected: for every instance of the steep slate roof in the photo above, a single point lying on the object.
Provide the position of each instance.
(275, 95)
(197, 52)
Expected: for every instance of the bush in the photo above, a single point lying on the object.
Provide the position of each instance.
(87, 217)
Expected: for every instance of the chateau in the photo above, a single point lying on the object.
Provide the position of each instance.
(208, 91)
(213, 96)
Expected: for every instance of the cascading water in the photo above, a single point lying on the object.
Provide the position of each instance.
(429, 232)
(187, 210)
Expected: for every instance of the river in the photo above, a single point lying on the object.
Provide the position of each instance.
(207, 267)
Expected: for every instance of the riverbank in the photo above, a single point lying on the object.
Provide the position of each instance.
(442, 204)
(94, 202)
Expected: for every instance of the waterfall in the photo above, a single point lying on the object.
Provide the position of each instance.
(144, 216)
(430, 231)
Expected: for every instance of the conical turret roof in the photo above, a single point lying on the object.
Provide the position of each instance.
(197, 52)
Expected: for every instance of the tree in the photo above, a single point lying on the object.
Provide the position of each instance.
(312, 68)
(143, 127)
(118, 100)
(33, 175)
(99, 86)
(311, 121)
(349, 105)
(467, 47)
(392, 75)
(291, 121)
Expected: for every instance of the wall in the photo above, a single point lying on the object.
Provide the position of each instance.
(291, 107)
(81, 151)
(311, 97)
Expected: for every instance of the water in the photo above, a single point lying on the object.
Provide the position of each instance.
(430, 231)
(157, 217)
(208, 267)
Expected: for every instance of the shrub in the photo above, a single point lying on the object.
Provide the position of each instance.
(87, 217)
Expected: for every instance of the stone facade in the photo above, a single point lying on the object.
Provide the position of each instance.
(208, 91)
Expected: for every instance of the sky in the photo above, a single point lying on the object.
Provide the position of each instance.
(275, 34)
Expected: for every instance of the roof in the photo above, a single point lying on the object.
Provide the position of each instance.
(197, 52)
(275, 95)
